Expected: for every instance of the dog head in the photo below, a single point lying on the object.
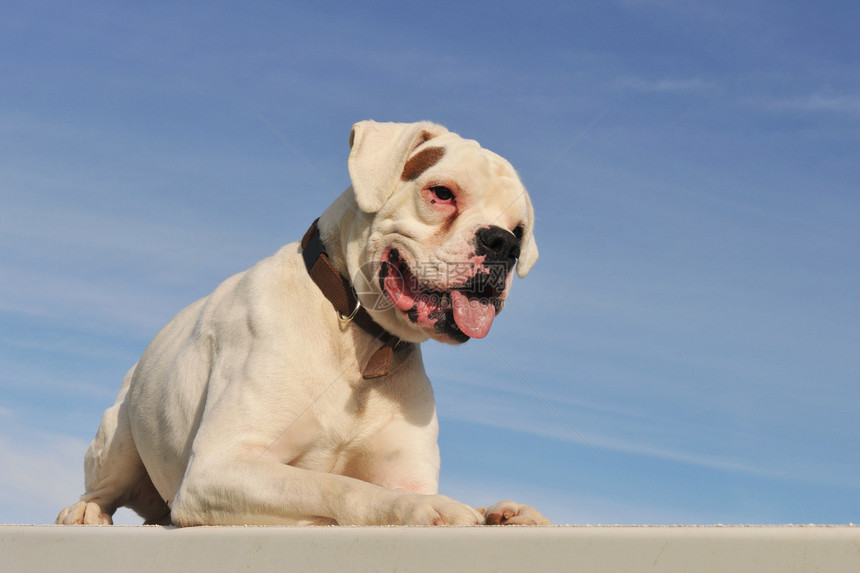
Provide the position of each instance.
(448, 222)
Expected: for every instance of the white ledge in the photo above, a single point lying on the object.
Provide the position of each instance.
(759, 549)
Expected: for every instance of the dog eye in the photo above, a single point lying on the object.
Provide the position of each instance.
(518, 232)
(442, 193)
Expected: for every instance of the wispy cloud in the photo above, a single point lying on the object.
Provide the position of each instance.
(605, 428)
(664, 85)
(70, 262)
(815, 103)
(40, 475)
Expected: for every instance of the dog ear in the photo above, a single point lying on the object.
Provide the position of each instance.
(378, 154)
(528, 247)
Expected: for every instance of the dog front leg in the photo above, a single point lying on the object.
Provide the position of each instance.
(268, 492)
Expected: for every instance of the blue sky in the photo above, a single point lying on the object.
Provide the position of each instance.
(685, 351)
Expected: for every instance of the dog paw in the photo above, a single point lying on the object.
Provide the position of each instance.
(511, 513)
(434, 510)
(83, 513)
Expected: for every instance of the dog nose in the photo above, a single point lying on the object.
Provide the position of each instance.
(497, 243)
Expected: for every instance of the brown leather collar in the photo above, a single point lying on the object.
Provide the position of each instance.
(338, 290)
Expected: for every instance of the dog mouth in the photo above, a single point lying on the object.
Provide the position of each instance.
(464, 311)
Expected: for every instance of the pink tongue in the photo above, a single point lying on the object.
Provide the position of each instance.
(398, 288)
(474, 317)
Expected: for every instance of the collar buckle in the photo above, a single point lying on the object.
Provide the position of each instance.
(354, 312)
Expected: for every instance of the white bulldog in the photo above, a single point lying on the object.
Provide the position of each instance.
(294, 396)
